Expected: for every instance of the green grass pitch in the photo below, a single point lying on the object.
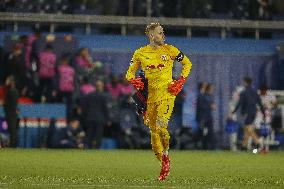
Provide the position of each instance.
(138, 169)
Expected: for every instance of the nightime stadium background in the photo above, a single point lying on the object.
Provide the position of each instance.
(226, 40)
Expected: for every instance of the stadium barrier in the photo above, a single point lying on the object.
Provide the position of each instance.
(223, 25)
(35, 122)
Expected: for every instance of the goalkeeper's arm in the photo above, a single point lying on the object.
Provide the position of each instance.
(176, 86)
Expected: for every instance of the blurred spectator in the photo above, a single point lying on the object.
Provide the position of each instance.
(32, 64)
(4, 134)
(1, 66)
(249, 99)
(84, 66)
(86, 87)
(23, 44)
(114, 87)
(70, 137)
(14, 65)
(84, 60)
(208, 130)
(232, 123)
(267, 100)
(115, 101)
(127, 91)
(199, 106)
(111, 129)
(126, 87)
(10, 109)
(119, 95)
(264, 123)
(32, 51)
(96, 115)
(98, 71)
(66, 75)
(264, 9)
(200, 110)
(24, 98)
(47, 70)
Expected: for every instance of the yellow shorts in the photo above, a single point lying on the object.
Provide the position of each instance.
(159, 113)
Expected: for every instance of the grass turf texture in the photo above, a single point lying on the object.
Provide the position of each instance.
(138, 169)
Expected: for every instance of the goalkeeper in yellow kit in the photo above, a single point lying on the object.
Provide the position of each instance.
(156, 59)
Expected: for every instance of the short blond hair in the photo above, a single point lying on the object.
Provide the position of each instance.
(151, 27)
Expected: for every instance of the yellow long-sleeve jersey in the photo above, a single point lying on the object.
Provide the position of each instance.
(157, 65)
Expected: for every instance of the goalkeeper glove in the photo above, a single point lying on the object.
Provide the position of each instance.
(137, 83)
(176, 86)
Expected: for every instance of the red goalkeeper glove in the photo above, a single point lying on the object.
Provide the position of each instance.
(176, 86)
(137, 83)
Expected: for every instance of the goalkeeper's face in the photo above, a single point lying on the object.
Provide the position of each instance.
(158, 35)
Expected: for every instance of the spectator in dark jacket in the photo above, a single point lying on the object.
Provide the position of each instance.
(199, 103)
(200, 109)
(95, 114)
(209, 106)
(1, 65)
(10, 109)
(15, 65)
(249, 99)
(70, 137)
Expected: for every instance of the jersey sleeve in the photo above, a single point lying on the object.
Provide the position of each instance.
(177, 55)
(133, 67)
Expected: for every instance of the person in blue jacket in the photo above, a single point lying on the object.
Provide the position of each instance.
(248, 102)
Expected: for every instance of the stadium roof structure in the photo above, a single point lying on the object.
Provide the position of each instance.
(124, 21)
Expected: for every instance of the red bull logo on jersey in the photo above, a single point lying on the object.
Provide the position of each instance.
(164, 57)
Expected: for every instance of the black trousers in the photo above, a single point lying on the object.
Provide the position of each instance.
(68, 101)
(12, 121)
(208, 136)
(45, 87)
(95, 134)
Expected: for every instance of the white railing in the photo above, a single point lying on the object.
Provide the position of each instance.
(124, 21)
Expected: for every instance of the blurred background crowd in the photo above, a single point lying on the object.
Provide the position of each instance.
(211, 9)
(43, 74)
(239, 9)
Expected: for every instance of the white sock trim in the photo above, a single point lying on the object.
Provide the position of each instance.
(166, 153)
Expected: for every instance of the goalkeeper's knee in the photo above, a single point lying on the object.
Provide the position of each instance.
(165, 137)
(164, 133)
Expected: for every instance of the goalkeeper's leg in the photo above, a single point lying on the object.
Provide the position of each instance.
(164, 137)
(157, 118)
(156, 143)
(164, 112)
(150, 121)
